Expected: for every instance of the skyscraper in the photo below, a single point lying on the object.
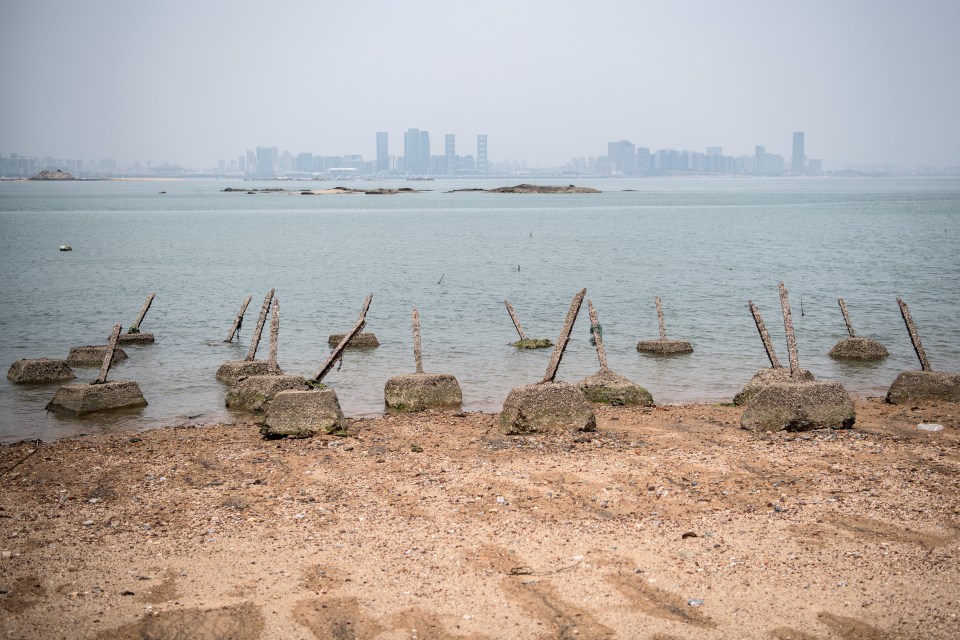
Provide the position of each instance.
(383, 153)
(424, 152)
(267, 162)
(759, 160)
(623, 157)
(482, 166)
(450, 152)
(798, 160)
(411, 151)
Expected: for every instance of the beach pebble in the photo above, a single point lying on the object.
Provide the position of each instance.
(929, 427)
(695, 602)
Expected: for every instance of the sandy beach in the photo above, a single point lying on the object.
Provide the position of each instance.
(668, 522)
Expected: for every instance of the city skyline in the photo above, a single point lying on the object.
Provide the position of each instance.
(623, 158)
(187, 84)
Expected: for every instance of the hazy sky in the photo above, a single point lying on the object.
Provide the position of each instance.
(191, 82)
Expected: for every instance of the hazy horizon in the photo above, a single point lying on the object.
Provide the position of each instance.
(190, 84)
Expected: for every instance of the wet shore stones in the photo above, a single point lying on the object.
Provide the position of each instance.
(254, 393)
(924, 386)
(799, 406)
(301, 414)
(92, 355)
(420, 391)
(546, 407)
(764, 378)
(39, 370)
(858, 349)
(232, 370)
(81, 399)
(362, 340)
(664, 346)
(607, 387)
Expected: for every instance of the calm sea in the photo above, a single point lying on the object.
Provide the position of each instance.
(706, 246)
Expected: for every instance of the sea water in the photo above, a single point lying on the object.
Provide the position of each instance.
(705, 246)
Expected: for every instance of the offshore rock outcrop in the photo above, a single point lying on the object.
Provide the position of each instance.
(54, 175)
(534, 188)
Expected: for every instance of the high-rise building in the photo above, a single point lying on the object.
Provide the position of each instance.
(450, 153)
(383, 153)
(797, 160)
(425, 166)
(411, 151)
(623, 157)
(482, 165)
(758, 159)
(266, 162)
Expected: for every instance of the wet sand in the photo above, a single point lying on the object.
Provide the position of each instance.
(668, 522)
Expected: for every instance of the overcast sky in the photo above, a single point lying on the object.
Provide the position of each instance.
(191, 82)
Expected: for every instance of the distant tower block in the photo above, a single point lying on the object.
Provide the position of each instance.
(663, 345)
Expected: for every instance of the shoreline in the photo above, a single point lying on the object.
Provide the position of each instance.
(669, 521)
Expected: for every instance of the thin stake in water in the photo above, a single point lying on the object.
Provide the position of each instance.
(516, 320)
(788, 327)
(238, 321)
(764, 336)
(345, 342)
(564, 337)
(108, 356)
(135, 327)
(255, 340)
(914, 336)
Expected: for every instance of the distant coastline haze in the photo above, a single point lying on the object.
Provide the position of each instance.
(192, 84)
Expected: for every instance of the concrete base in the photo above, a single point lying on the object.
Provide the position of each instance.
(607, 387)
(80, 399)
(232, 370)
(858, 349)
(764, 378)
(418, 391)
(92, 355)
(924, 386)
(360, 341)
(301, 414)
(136, 338)
(254, 393)
(546, 407)
(39, 370)
(799, 406)
(532, 343)
(662, 346)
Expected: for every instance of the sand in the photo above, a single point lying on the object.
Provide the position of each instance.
(667, 522)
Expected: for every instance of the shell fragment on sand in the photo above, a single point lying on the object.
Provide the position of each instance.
(362, 340)
(254, 393)
(301, 414)
(546, 406)
(92, 355)
(232, 370)
(607, 387)
(764, 378)
(664, 346)
(924, 386)
(858, 349)
(81, 399)
(420, 391)
(39, 370)
(799, 406)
